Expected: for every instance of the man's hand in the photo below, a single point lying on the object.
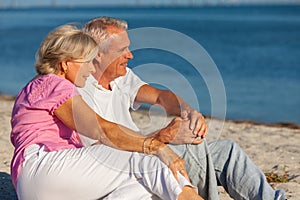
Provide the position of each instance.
(175, 105)
(178, 132)
(197, 122)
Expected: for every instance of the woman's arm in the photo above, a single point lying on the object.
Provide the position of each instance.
(76, 114)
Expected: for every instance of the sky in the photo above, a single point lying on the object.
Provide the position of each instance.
(58, 3)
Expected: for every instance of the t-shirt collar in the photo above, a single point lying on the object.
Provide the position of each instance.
(98, 86)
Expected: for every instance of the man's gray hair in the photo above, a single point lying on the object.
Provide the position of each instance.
(97, 27)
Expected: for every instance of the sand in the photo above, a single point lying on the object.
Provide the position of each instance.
(274, 148)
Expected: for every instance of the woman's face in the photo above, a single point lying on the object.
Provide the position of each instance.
(79, 71)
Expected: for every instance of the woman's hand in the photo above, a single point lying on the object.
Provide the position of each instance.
(178, 132)
(166, 155)
(173, 161)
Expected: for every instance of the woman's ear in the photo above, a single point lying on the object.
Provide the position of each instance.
(64, 66)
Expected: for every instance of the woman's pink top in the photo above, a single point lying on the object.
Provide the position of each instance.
(33, 120)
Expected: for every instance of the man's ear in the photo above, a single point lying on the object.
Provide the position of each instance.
(97, 60)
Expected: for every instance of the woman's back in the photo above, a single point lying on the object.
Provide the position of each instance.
(33, 121)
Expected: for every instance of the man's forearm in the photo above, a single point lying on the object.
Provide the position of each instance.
(173, 104)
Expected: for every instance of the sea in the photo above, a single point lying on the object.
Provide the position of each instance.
(241, 62)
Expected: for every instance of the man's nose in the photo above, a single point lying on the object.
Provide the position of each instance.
(129, 54)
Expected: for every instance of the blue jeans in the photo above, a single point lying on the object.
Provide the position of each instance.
(225, 164)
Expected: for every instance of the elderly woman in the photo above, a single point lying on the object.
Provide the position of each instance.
(50, 161)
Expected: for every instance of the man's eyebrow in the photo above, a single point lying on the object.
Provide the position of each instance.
(123, 48)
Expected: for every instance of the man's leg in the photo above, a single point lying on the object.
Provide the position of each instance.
(199, 166)
(240, 177)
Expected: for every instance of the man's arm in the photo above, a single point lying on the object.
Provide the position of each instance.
(174, 105)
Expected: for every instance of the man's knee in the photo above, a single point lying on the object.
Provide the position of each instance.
(223, 145)
(222, 149)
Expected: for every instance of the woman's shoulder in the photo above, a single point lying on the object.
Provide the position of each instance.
(47, 86)
(47, 79)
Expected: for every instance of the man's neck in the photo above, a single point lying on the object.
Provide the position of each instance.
(105, 81)
(105, 84)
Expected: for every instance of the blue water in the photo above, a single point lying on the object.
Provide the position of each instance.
(255, 48)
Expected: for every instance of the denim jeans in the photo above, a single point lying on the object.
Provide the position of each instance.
(224, 163)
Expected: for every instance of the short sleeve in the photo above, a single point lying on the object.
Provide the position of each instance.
(131, 84)
(49, 92)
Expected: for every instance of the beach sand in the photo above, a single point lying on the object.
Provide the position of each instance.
(274, 148)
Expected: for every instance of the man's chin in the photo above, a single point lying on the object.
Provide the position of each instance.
(122, 72)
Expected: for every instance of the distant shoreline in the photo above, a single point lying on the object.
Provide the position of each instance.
(7, 97)
(150, 6)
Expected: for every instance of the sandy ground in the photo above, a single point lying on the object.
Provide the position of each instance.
(275, 149)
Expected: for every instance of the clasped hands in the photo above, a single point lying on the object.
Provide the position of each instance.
(190, 128)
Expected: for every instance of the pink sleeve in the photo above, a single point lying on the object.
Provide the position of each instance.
(50, 91)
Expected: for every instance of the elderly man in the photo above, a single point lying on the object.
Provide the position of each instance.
(114, 89)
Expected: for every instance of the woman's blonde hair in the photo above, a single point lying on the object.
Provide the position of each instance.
(65, 43)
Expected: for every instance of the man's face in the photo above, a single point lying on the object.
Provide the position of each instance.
(117, 54)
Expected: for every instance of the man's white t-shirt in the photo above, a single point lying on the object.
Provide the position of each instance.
(113, 105)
